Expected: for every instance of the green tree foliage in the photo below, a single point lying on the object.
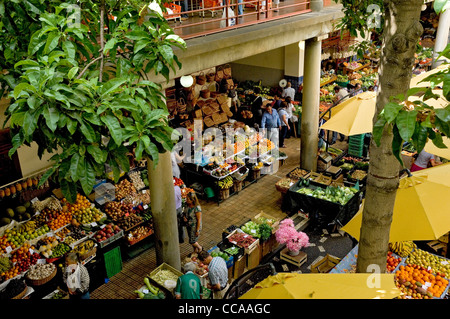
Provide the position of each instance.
(79, 88)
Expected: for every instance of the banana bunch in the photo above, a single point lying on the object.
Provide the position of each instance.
(84, 247)
(28, 226)
(225, 183)
(402, 248)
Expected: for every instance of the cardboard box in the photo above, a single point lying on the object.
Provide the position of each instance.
(253, 257)
(239, 266)
(325, 264)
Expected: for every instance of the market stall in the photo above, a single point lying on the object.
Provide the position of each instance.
(39, 228)
(419, 274)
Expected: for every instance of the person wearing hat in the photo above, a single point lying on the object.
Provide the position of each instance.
(189, 285)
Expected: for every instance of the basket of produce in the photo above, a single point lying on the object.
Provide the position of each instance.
(243, 240)
(58, 252)
(164, 273)
(284, 184)
(241, 173)
(86, 249)
(40, 274)
(298, 173)
(357, 175)
(15, 289)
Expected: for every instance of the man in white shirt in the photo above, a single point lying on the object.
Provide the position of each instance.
(288, 91)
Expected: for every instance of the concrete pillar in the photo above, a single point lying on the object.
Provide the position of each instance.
(164, 214)
(316, 5)
(293, 59)
(441, 35)
(310, 104)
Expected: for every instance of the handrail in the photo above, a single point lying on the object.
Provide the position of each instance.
(261, 16)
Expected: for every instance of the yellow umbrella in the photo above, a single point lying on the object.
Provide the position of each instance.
(441, 152)
(325, 286)
(353, 116)
(420, 209)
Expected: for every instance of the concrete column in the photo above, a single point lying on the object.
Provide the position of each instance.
(316, 5)
(293, 59)
(164, 214)
(441, 35)
(310, 104)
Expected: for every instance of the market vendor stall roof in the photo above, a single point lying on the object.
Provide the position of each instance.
(325, 286)
(420, 211)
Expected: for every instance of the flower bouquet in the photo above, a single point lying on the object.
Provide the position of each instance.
(287, 234)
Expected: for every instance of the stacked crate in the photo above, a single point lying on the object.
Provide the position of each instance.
(356, 145)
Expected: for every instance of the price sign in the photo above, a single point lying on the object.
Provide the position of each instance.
(94, 224)
(41, 261)
(8, 249)
(145, 206)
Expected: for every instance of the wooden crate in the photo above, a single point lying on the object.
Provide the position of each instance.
(298, 260)
(239, 266)
(275, 221)
(253, 257)
(325, 264)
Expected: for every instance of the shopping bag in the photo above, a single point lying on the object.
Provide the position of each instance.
(231, 19)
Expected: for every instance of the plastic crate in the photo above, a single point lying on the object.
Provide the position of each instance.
(355, 152)
(113, 262)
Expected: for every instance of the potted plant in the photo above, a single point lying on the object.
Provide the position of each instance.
(294, 240)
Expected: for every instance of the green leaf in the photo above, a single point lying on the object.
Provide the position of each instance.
(51, 116)
(69, 49)
(406, 121)
(438, 141)
(72, 72)
(419, 137)
(30, 123)
(140, 146)
(87, 178)
(22, 89)
(397, 143)
(109, 45)
(16, 141)
(46, 176)
(378, 129)
(114, 127)
(141, 44)
(69, 190)
(76, 166)
(111, 85)
(52, 41)
(115, 169)
(438, 5)
(443, 114)
(96, 153)
(71, 125)
(87, 131)
(391, 110)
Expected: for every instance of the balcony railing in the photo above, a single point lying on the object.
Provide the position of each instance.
(206, 17)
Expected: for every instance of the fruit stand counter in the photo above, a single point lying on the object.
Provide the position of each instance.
(414, 275)
(302, 196)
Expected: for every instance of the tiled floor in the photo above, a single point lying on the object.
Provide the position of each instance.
(260, 196)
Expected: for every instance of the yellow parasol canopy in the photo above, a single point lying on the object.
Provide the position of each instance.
(353, 116)
(420, 209)
(415, 80)
(325, 286)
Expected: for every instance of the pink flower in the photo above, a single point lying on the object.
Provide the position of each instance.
(287, 234)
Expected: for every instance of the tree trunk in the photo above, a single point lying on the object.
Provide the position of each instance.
(401, 33)
(164, 213)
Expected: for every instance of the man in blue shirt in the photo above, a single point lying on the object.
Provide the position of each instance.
(217, 274)
(271, 120)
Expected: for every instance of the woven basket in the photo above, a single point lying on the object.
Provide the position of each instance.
(201, 78)
(227, 71)
(219, 74)
(42, 281)
(210, 77)
(88, 254)
(20, 296)
(205, 92)
(198, 114)
(237, 186)
(207, 110)
(217, 118)
(224, 193)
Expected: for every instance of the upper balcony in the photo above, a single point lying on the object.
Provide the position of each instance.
(205, 17)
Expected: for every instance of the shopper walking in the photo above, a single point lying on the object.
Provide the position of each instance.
(76, 277)
(290, 108)
(179, 208)
(189, 285)
(271, 122)
(193, 220)
(284, 123)
(217, 274)
(289, 91)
